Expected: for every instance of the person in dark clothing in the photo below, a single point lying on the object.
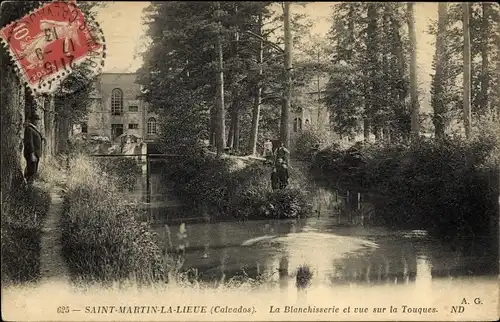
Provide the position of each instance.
(283, 154)
(282, 172)
(32, 151)
(275, 184)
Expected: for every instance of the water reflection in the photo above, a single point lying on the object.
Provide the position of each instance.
(335, 254)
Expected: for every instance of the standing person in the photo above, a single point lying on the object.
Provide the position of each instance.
(32, 151)
(282, 172)
(283, 154)
(268, 151)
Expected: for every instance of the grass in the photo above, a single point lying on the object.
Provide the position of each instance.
(23, 215)
(104, 239)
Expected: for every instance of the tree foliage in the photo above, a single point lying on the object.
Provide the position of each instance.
(369, 81)
(485, 47)
(179, 68)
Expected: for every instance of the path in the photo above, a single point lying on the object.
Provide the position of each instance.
(52, 264)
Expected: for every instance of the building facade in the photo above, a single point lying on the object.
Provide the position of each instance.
(117, 110)
(313, 113)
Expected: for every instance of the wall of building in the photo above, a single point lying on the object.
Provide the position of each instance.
(100, 117)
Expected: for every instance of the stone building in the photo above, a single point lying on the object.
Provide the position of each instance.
(117, 110)
(313, 112)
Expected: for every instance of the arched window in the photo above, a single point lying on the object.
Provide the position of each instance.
(151, 126)
(85, 128)
(297, 124)
(117, 102)
(307, 121)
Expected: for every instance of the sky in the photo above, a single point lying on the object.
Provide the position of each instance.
(122, 25)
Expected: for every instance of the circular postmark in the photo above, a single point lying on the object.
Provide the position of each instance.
(57, 49)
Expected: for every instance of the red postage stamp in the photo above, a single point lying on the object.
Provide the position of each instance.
(48, 44)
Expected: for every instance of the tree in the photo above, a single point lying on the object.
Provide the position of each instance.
(485, 30)
(371, 40)
(252, 145)
(285, 111)
(467, 71)
(439, 99)
(220, 134)
(413, 73)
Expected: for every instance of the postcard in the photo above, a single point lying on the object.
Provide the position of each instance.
(250, 161)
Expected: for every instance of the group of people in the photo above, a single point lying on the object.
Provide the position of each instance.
(279, 161)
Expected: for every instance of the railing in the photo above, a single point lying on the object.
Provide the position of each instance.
(148, 157)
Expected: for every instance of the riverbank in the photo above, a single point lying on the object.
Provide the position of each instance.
(25, 212)
(448, 187)
(104, 238)
(221, 189)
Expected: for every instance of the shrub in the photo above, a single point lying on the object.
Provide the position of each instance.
(23, 215)
(447, 186)
(311, 140)
(286, 203)
(228, 191)
(103, 238)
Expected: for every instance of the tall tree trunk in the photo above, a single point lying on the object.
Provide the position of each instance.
(49, 126)
(13, 98)
(220, 133)
(62, 132)
(230, 135)
(212, 126)
(485, 80)
(236, 129)
(467, 71)
(235, 117)
(373, 87)
(415, 108)
(285, 110)
(252, 146)
(439, 78)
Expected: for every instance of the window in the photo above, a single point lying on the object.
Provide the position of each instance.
(116, 130)
(151, 126)
(133, 126)
(117, 102)
(133, 108)
(297, 124)
(84, 128)
(307, 122)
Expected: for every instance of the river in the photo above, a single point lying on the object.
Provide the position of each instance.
(335, 254)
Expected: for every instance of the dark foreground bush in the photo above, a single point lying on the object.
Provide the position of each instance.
(227, 190)
(103, 238)
(449, 187)
(23, 215)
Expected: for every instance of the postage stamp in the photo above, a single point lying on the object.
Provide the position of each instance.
(53, 43)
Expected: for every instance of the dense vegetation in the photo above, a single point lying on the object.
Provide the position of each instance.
(23, 217)
(104, 238)
(222, 190)
(448, 186)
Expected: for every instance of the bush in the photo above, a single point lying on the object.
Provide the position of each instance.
(228, 191)
(23, 217)
(287, 203)
(103, 238)
(311, 140)
(447, 186)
